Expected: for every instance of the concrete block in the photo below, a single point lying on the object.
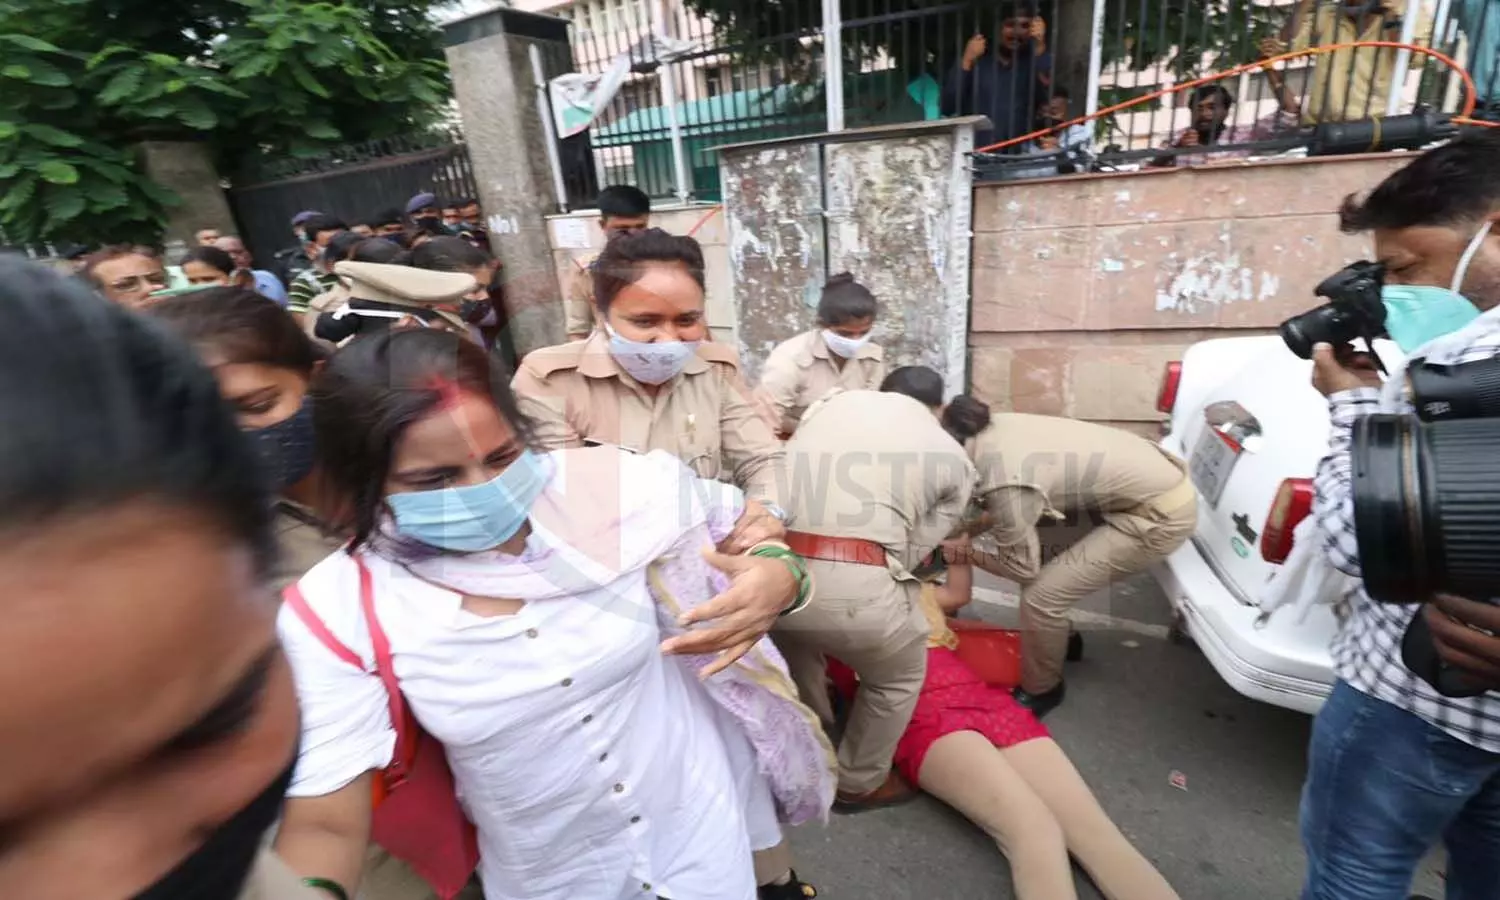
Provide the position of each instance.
(1119, 383)
(989, 375)
(1152, 196)
(1022, 205)
(1163, 275)
(1036, 280)
(1039, 380)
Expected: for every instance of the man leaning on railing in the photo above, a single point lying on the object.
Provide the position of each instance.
(1212, 105)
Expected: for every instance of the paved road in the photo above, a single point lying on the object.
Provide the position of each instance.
(1139, 708)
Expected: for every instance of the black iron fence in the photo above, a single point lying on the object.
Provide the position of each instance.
(756, 70)
(357, 184)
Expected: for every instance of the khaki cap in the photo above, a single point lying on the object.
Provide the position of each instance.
(404, 285)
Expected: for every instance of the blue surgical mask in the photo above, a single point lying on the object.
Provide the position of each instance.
(474, 517)
(844, 346)
(1418, 313)
(656, 362)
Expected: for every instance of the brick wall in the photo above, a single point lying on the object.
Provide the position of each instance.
(1084, 287)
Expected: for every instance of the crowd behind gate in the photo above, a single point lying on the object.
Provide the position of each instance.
(379, 609)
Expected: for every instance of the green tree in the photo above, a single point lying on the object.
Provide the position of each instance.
(83, 82)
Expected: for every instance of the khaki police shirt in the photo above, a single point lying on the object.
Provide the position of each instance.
(1354, 82)
(578, 298)
(1033, 467)
(302, 541)
(803, 369)
(577, 394)
(877, 466)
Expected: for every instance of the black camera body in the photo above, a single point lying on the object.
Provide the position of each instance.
(1353, 310)
(1427, 500)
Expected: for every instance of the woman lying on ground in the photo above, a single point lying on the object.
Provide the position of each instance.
(532, 602)
(975, 748)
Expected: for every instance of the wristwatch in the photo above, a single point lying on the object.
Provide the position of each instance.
(780, 514)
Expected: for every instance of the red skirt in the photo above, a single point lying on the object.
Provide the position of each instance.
(953, 699)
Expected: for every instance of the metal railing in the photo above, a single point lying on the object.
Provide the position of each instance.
(757, 71)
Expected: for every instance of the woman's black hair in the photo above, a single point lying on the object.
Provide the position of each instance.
(965, 417)
(379, 250)
(626, 256)
(341, 245)
(845, 300)
(210, 256)
(917, 382)
(103, 407)
(449, 254)
(375, 388)
(236, 325)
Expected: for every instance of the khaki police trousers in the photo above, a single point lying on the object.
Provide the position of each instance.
(861, 616)
(1127, 542)
(388, 878)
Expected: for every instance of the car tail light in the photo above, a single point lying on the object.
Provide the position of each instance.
(1171, 379)
(1292, 504)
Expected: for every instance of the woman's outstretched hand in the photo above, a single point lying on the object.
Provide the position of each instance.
(759, 590)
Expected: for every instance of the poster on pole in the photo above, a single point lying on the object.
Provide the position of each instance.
(579, 98)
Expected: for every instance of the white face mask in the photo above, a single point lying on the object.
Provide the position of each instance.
(844, 346)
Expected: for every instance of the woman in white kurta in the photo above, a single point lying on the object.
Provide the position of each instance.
(527, 598)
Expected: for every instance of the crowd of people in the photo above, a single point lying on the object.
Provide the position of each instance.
(584, 575)
(597, 623)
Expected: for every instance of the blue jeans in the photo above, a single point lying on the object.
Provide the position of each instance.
(1383, 787)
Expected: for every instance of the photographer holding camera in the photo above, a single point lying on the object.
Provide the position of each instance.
(1396, 763)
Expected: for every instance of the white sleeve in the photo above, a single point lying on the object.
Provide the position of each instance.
(346, 724)
(719, 503)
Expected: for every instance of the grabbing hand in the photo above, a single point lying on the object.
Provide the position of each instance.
(755, 524)
(1189, 138)
(1467, 635)
(1038, 30)
(1047, 141)
(1271, 46)
(1345, 369)
(973, 50)
(759, 590)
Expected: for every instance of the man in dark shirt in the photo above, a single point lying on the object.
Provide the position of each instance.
(1008, 84)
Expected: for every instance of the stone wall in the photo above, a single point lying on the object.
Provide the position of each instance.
(1083, 288)
(576, 236)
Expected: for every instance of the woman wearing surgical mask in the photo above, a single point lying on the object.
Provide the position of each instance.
(206, 266)
(836, 354)
(264, 364)
(149, 715)
(651, 379)
(535, 605)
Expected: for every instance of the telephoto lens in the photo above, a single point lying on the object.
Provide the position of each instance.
(1427, 507)
(1468, 390)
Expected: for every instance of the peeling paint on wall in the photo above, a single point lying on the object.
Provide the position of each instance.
(1204, 281)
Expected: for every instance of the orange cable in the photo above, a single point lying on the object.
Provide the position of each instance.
(1470, 92)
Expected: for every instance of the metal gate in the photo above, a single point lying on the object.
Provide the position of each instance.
(355, 184)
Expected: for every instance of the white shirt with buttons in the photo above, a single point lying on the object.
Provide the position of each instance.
(593, 767)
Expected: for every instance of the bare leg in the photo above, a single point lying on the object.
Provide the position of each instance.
(965, 771)
(1117, 868)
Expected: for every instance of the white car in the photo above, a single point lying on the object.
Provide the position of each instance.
(1244, 416)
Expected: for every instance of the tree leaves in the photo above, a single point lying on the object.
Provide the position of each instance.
(124, 83)
(55, 171)
(53, 136)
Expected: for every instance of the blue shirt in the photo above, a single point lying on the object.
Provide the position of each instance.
(1480, 21)
(1009, 93)
(269, 286)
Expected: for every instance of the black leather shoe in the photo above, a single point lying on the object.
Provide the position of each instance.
(1041, 704)
(796, 889)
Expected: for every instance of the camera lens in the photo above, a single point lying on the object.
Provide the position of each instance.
(1427, 506)
(1325, 324)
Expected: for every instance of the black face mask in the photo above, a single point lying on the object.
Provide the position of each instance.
(428, 221)
(218, 869)
(287, 449)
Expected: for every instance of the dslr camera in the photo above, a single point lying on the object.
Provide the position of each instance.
(1353, 310)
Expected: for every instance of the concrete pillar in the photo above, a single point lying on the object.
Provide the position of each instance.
(489, 58)
(186, 168)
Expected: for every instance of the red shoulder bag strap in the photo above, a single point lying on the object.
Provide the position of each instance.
(395, 773)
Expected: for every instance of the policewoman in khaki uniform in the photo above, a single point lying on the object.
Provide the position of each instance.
(836, 354)
(880, 485)
(388, 296)
(650, 379)
(264, 364)
(1139, 500)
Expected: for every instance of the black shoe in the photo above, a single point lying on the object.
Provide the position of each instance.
(1075, 646)
(795, 889)
(1041, 704)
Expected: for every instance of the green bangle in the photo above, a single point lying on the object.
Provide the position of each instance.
(324, 884)
(798, 567)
